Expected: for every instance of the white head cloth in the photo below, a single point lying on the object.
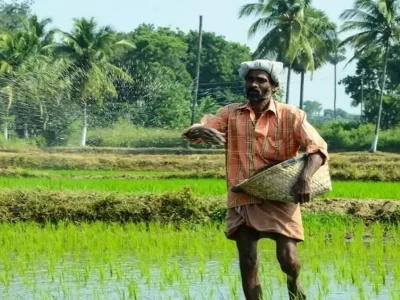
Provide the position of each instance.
(273, 68)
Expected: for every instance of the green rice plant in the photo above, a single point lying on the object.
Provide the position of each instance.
(86, 274)
(5, 280)
(200, 187)
(133, 289)
(183, 259)
(324, 283)
(102, 274)
(119, 272)
(185, 291)
(96, 294)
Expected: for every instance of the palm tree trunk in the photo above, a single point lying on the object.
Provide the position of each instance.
(5, 131)
(84, 129)
(362, 97)
(288, 83)
(10, 101)
(26, 133)
(334, 94)
(302, 90)
(378, 121)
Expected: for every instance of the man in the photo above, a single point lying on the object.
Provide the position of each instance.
(257, 133)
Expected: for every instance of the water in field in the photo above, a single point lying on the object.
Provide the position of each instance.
(103, 261)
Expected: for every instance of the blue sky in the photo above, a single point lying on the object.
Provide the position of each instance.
(219, 16)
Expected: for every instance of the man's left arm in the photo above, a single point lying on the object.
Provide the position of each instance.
(317, 155)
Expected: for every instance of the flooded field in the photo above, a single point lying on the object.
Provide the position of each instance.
(112, 261)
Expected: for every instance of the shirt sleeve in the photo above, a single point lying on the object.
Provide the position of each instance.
(308, 137)
(219, 121)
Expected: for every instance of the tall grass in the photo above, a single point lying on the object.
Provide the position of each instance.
(340, 136)
(16, 144)
(124, 134)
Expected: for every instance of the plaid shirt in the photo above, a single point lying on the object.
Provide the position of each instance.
(276, 136)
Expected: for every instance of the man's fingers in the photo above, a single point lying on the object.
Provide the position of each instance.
(208, 135)
(301, 198)
(306, 198)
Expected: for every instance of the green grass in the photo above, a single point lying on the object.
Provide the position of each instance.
(124, 134)
(201, 187)
(69, 173)
(365, 190)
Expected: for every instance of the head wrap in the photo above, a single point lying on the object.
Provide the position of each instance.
(273, 68)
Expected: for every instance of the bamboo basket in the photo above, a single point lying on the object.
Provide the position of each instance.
(276, 182)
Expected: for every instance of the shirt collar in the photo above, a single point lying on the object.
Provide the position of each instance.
(271, 106)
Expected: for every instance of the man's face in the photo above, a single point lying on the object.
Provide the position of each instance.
(259, 86)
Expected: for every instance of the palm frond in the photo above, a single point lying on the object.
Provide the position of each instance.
(124, 43)
(270, 44)
(117, 73)
(358, 25)
(262, 25)
(255, 9)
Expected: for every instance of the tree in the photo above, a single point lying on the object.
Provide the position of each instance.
(159, 99)
(16, 48)
(12, 15)
(336, 56)
(378, 26)
(220, 60)
(282, 20)
(39, 38)
(161, 94)
(157, 48)
(313, 108)
(91, 74)
(318, 31)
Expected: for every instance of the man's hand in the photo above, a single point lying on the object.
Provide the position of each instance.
(205, 134)
(302, 190)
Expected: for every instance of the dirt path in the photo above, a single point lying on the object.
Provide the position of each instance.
(369, 209)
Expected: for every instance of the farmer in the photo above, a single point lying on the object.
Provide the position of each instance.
(257, 133)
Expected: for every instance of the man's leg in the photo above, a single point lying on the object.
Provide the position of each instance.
(286, 250)
(246, 241)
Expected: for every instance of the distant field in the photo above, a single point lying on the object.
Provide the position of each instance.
(343, 166)
(70, 173)
(201, 187)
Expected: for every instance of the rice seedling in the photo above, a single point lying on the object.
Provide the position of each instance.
(109, 260)
(201, 187)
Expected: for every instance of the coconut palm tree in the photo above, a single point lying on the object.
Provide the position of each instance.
(38, 35)
(336, 56)
(282, 21)
(87, 49)
(377, 23)
(318, 31)
(16, 48)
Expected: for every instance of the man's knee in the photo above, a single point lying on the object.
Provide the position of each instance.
(289, 262)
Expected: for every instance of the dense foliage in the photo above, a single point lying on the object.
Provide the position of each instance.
(58, 88)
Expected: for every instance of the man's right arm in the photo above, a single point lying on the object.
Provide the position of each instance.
(211, 127)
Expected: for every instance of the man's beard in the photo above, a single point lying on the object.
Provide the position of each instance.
(256, 96)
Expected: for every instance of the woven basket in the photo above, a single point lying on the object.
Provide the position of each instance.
(275, 183)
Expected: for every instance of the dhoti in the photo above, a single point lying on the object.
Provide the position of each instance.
(269, 219)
